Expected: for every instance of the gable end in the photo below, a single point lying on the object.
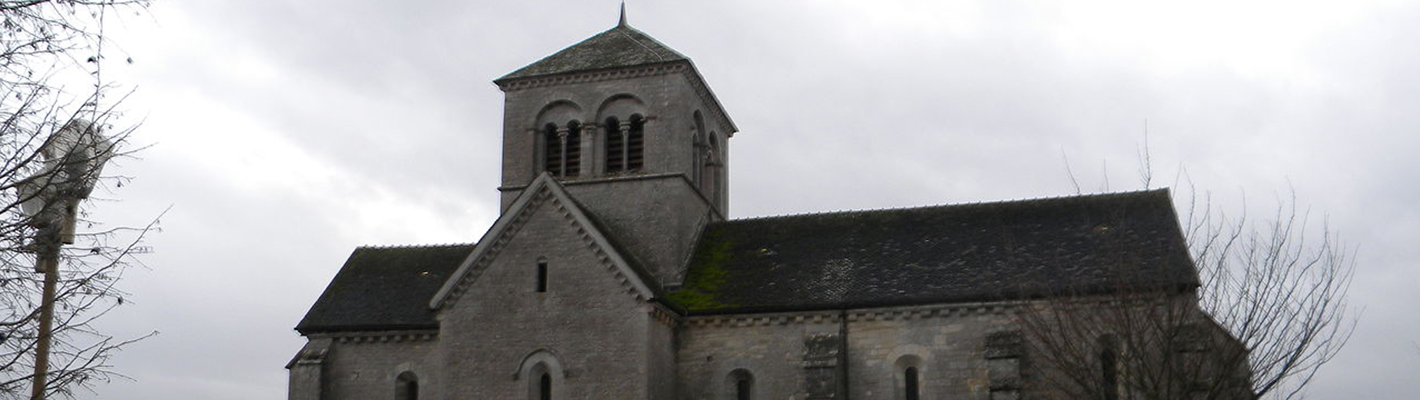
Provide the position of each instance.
(543, 189)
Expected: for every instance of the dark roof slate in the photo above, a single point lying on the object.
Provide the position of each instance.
(384, 288)
(941, 254)
(622, 46)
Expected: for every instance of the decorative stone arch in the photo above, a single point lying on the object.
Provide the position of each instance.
(623, 119)
(909, 369)
(621, 105)
(559, 129)
(542, 371)
(558, 112)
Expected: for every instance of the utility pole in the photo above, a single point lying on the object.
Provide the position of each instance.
(73, 158)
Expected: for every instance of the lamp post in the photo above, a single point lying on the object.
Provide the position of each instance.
(73, 158)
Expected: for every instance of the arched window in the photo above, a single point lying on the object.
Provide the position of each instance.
(910, 384)
(697, 149)
(740, 385)
(562, 156)
(406, 386)
(543, 374)
(907, 377)
(541, 276)
(1109, 368)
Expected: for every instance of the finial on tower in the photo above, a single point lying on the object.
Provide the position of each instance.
(622, 21)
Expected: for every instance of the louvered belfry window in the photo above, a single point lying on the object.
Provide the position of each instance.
(635, 143)
(562, 155)
(625, 144)
(615, 146)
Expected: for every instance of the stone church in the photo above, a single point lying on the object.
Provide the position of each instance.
(615, 271)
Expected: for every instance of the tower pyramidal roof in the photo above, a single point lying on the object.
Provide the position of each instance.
(618, 47)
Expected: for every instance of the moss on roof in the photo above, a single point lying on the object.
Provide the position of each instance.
(941, 254)
(705, 277)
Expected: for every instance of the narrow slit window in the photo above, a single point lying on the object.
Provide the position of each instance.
(1109, 369)
(742, 387)
(545, 387)
(911, 391)
(541, 277)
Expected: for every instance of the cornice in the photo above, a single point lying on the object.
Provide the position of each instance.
(380, 336)
(853, 315)
(599, 75)
(683, 67)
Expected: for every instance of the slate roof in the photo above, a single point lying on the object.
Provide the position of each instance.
(621, 46)
(384, 288)
(941, 254)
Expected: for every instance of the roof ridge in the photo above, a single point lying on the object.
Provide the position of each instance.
(949, 205)
(632, 38)
(411, 246)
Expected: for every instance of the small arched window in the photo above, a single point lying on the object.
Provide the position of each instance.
(541, 276)
(1109, 368)
(910, 384)
(741, 385)
(406, 386)
(543, 374)
(562, 155)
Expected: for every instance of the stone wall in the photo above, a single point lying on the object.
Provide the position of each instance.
(658, 219)
(590, 320)
(947, 345)
(365, 365)
(771, 348)
(669, 99)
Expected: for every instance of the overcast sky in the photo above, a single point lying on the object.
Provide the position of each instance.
(285, 134)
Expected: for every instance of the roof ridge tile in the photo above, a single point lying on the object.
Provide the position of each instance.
(413, 246)
(1017, 201)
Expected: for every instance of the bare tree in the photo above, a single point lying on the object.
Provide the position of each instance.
(56, 130)
(1265, 311)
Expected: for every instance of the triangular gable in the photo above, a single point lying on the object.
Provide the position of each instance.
(493, 241)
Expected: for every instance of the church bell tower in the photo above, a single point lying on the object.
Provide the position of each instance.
(629, 127)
